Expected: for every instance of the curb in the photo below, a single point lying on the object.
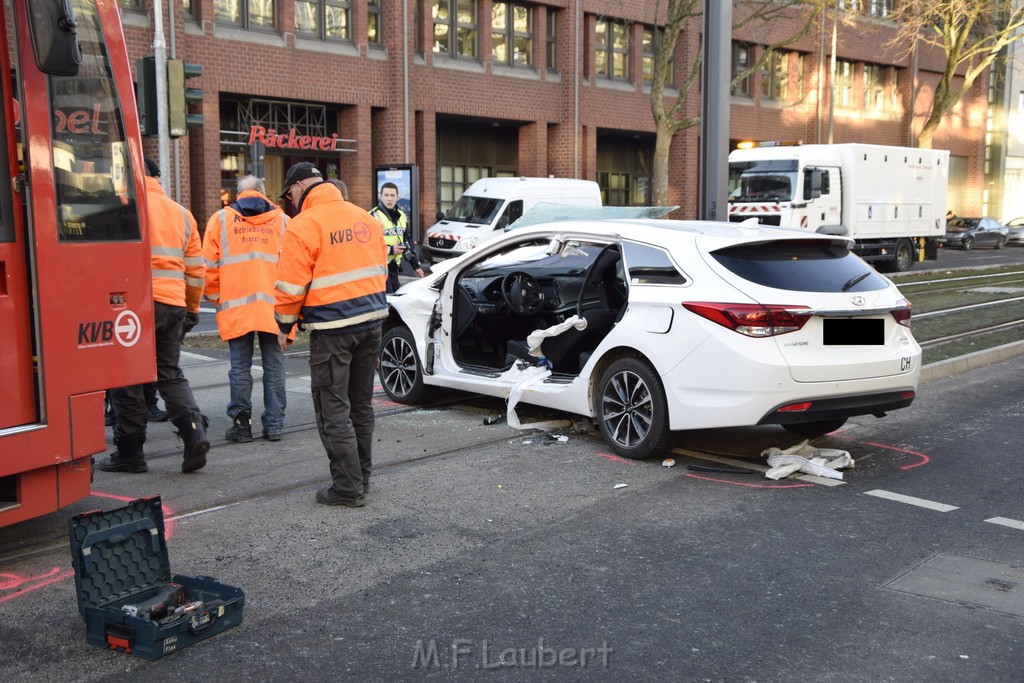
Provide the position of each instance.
(972, 361)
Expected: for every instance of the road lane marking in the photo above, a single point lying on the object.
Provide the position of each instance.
(1004, 521)
(910, 500)
(196, 356)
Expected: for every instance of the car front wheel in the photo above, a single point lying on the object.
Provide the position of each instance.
(815, 428)
(400, 371)
(632, 412)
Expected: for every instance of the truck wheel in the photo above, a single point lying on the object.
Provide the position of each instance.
(903, 259)
(967, 244)
(632, 412)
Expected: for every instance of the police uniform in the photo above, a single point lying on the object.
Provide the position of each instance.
(396, 231)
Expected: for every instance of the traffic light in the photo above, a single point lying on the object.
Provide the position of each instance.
(146, 95)
(179, 97)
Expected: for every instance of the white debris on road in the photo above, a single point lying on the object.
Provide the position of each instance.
(821, 462)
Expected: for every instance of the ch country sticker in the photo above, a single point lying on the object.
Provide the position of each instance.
(125, 330)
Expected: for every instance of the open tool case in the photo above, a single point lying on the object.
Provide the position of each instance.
(121, 569)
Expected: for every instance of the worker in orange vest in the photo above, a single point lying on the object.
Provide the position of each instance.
(332, 277)
(241, 245)
(178, 271)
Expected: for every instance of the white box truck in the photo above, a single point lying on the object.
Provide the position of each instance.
(489, 205)
(890, 200)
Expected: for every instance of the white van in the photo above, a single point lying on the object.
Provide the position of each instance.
(491, 204)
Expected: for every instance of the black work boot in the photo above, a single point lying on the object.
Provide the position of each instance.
(129, 456)
(241, 430)
(192, 431)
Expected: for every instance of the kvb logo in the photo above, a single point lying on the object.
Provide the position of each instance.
(125, 329)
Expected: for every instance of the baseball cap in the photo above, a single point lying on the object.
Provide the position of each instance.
(299, 171)
(152, 168)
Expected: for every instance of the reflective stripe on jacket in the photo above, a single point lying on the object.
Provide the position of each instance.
(394, 233)
(332, 272)
(241, 247)
(177, 254)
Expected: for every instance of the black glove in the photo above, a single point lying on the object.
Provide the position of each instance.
(191, 320)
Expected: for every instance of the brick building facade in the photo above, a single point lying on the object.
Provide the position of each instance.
(470, 88)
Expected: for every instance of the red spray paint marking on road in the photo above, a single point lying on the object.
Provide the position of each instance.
(615, 458)
(13, 582)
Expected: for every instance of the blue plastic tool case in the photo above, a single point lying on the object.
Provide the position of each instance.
(120, 558)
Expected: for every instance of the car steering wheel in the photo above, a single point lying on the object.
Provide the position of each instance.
(522, 293)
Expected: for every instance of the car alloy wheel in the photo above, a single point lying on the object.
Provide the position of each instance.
(967, 244)
(400, 373)
(632, 412)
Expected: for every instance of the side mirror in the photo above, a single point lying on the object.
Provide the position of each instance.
(812, 183)
(55, 37)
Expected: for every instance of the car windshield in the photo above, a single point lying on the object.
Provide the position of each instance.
(802, 266)
(474, 209)
(766, 180)
(960, 224)
(572, 259)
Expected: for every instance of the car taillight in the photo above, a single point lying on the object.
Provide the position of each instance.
(902, 314)
(752, 320)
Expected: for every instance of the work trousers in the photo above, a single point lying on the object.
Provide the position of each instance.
(341, 370)
(130, 403)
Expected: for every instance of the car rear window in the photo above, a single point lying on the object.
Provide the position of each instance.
(802, 266)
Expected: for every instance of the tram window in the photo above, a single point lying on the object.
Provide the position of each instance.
(92, 171)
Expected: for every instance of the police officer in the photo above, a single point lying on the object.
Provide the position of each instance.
(178, 272)
(331, 275)
(396, 234)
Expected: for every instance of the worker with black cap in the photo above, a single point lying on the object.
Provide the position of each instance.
(331, 275)
(178, 271)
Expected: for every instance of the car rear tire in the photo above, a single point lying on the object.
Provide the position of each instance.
(815, 428)
(401, 374)
(967, 244)
(632, 412)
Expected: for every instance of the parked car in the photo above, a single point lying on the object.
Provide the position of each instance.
(968, 233)
(1015, 228)
(688, 325)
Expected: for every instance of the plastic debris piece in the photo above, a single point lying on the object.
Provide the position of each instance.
(620, 486)
(560, 438)
(722, 469)
(493, 420)
(668, 462)
(821, 462)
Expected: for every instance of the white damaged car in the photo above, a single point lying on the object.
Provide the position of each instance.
(655, 326)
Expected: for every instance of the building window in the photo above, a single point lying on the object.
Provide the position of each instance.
(189, 7)
(133, 5)
(775, 79)
(552, 62)
(245, 13)
(652, 42)
(373, 22)
(612, 48)
(455, 32)
(880, 8)
(740, 64)
(874, 87)
(512, 34)
(844, 83)
(323, 19)
(849, 5)
(452, 181)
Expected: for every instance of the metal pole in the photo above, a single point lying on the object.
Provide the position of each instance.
(576, 75)
(176, 175)
(832, 76)
(821, 75)
(405, 74)
(714, 117)
(162, 124)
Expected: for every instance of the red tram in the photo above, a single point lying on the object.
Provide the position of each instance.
(75, 280)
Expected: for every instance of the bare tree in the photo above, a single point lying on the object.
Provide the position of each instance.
(669, 117)
(972, 34)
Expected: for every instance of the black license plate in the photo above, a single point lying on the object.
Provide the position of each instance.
(853, 332)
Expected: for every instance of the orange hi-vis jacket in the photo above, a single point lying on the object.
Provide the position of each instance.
(241, 247)
(176, 251)
(333, 268)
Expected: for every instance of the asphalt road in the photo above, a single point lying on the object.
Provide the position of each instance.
(483, 550)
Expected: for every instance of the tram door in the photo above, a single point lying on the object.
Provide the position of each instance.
(18, 400)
